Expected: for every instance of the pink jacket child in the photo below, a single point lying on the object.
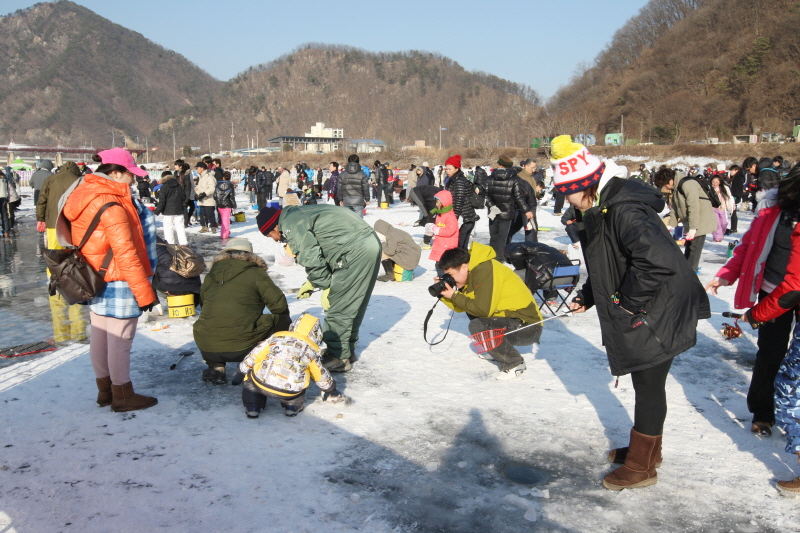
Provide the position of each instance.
(445, 228)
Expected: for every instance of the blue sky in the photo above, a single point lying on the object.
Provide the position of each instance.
(532, 42)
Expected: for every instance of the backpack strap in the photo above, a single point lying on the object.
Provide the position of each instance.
(90, 230)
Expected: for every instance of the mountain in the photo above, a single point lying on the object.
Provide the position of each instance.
(690, 69)
(71, 76)
(396, 97)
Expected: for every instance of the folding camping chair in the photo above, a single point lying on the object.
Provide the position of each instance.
(560, 286)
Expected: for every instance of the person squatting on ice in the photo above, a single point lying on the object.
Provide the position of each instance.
(494, 297)
(226, 333)
(648, 297)
(128, 232)
(282, 367)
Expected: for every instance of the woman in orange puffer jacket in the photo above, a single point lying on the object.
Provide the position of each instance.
(128, 230)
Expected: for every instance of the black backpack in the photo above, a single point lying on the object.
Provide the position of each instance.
(711, 194)
(477, 196)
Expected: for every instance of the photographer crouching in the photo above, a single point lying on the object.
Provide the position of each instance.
(494, 297)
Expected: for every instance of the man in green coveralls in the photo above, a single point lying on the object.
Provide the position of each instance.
(341, 255)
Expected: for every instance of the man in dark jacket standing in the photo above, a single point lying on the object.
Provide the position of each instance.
(261, 186)
(528, 177)
(333, 182)
(341, 255)
(461, 189)
(269, 182)
(648, 298)
(354, 186)
(504, 196)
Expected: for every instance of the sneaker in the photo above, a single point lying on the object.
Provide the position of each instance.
(291, 410)
(251, 411)
(332, 364)
(511, 373)
(557, 214)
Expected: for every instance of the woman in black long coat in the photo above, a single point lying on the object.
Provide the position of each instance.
(647, 296)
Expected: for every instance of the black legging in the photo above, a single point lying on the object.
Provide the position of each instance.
(650, 409)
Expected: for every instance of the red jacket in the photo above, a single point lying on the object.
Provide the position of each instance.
(119, 229)
(787, 294)
(749, 258)
(445, 228)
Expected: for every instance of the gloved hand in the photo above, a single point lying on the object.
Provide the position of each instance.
(334, 396)
(41, 227)
(148, 307)
(323, 299)
(747, 317)
(493, 212)
(305, 291)
(238, 377)
(689, 236)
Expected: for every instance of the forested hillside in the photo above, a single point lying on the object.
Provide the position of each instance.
(398, 97)
(689, 69)
(70, 76)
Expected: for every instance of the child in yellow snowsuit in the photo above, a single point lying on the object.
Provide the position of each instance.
(282, 367)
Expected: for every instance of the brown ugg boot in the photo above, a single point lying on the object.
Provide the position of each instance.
(792, 486)
(639, 469)
(617, 456)
(125, 399)
(103, 391)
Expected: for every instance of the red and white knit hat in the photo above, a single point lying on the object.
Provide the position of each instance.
(574, 168)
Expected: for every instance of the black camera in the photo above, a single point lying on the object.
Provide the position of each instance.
(437, 288)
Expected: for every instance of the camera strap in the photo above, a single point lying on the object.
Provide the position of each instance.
(425, 325)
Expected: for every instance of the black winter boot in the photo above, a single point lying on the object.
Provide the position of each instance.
(388, 267)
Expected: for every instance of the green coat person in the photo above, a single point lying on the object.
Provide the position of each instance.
(341, 254)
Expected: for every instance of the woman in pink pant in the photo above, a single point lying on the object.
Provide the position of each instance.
(723, 212)
(225, 196)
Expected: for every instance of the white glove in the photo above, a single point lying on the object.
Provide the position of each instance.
(493, 212)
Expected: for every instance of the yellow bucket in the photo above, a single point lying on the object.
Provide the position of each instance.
(384, 205)
(401, 274)
(181, 306)
(239, 217)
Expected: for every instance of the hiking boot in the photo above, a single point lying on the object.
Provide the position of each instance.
(511, 373)
(291, 410)
(761, 429)
(125, 399)
(103, 391)
(204, 229)
(791, 487)
(388, 268)
(333, 364)
(386, 277)
(213, 229)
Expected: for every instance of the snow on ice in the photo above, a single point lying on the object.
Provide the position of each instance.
(422, 448)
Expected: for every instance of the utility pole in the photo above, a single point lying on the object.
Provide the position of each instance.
(622, 129)
(231, 139)
(173, 145)
(147, 150)
(113, 141)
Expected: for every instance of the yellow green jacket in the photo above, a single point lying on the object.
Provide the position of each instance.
(493, 289)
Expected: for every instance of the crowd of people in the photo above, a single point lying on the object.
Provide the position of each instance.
(627, 229)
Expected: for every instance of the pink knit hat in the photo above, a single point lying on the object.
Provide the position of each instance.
(118, 156)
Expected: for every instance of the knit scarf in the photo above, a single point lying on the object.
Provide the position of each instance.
(441, 210)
